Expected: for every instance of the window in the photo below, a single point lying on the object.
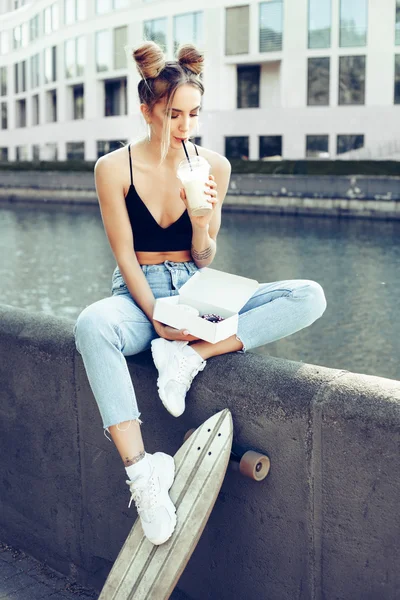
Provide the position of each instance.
(353, 23)
(3, 81)
(271, 26)
(237, 147)
(35, 80)
(345, 143)
(17, 37)
(319, 23)
(270, 145)
(4, 42)
(35, 110)
(69, 57)
(34, 28)
(3, 154)
(80, 58)
(50, 151)
(237, 30)
(156, 30)
(104, 147)
(116, 101)
(75, 57)
(318, 81)
(35, 152)
(78, 101)
(50, 17)
(248, 86)
(105, 6)
(317, 146)
(120, 41)
(75, 150)
(21, 153)
(20, 77)
(397, 33)
(20, 36)
(50, 64)
(51, 105)
(351, 80)
(188, 28)
(103, 50)
(20, 113)
(74, 10)
(4, 113)
(121, 4)
(397, 79)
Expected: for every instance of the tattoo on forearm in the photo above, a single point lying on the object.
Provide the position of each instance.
(132, 461)
(203, 255)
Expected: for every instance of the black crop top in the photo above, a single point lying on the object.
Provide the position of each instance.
(148, 235)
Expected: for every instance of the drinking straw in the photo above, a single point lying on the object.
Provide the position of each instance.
(187, 155)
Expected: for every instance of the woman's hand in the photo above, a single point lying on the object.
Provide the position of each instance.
(212, 198)
(172, 334)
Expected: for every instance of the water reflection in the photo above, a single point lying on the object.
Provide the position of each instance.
(57, 260)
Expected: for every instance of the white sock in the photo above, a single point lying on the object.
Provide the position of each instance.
(139, 469)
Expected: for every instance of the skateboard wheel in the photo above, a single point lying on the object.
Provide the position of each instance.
(188, 434)
(254, 465)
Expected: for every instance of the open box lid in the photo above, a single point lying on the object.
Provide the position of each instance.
(221, 289)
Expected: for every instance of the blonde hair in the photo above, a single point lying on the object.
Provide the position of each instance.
(161, 78)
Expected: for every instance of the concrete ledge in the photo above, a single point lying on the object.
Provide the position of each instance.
(324, 524)
(368, 197)
(339, 207)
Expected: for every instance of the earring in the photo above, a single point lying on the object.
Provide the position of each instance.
(148, 131)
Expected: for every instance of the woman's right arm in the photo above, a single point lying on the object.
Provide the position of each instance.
(119, 233)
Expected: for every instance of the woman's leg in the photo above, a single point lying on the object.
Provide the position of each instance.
(105, 333)
(275, 311)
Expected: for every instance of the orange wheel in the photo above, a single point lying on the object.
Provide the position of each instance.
(188, 434)
(254, 465)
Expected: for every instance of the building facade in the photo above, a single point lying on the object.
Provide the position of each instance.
(290, 78)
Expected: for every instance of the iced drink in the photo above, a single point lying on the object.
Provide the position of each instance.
(194, 177)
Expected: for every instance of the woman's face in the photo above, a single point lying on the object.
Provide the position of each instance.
(183, 116)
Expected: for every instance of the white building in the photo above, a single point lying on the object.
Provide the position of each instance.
(294, 78)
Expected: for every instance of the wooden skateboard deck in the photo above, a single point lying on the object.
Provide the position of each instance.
(143, 571)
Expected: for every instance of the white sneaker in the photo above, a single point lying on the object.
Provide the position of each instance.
(154, 506)
(176, 369)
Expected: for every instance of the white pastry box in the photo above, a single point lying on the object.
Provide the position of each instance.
(209, 291)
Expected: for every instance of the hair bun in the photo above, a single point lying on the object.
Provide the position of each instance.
(191, 58)
(149, 58)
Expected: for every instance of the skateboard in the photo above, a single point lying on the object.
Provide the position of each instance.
(250, 462)
(144, 571)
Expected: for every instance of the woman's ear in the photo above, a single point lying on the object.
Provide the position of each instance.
(145, 112)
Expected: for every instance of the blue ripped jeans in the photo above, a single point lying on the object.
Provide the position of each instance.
(115, 327)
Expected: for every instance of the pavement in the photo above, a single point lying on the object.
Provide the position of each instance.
(25, 578)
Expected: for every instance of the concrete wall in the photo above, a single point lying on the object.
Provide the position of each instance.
(359, 187)
(325, 524)
(346, 196)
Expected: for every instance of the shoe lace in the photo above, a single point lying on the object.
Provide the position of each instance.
(186, 371)
(144, 496)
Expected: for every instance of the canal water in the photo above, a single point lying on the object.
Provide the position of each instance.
(56, 260)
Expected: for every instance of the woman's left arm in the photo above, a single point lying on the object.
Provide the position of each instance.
(205, 229)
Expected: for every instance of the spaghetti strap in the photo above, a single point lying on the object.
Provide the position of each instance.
(195, 147)
(130, 162)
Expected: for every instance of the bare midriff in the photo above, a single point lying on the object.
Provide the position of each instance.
(155, 258)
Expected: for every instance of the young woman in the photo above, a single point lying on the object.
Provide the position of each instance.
(158, 246)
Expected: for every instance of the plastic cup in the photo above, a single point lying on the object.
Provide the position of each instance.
(194, 178)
